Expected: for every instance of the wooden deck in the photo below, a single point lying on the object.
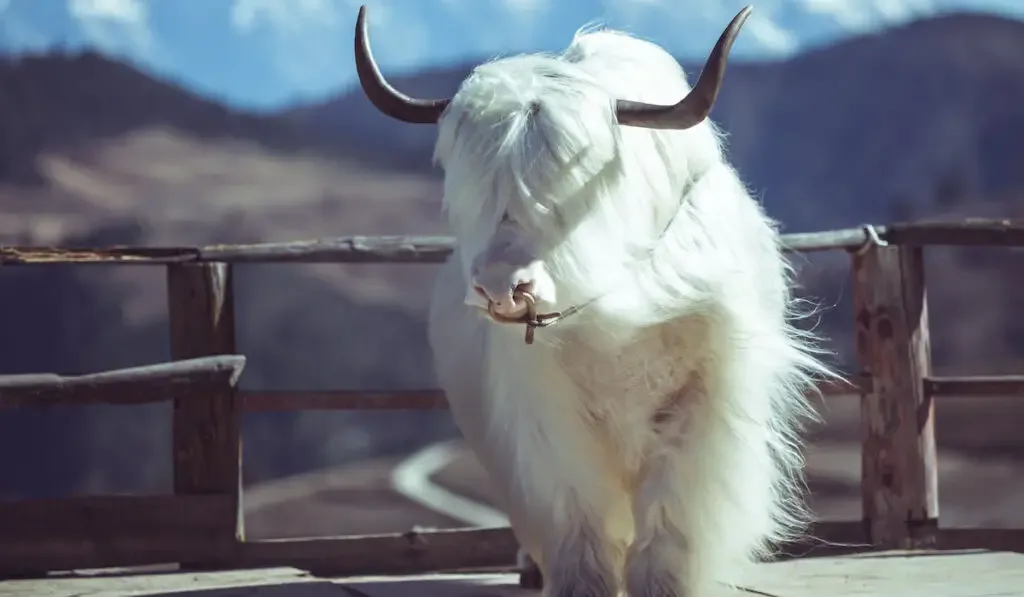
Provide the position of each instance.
(882, 574)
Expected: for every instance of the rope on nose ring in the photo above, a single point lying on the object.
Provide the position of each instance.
(530, 317)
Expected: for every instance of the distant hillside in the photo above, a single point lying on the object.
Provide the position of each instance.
(833, 137)
(63, 102)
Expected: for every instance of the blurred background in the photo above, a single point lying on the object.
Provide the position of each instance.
(159, 122)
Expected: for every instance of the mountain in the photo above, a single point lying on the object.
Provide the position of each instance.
(912, 123)
(831, 138)
(265, 54)
(63, 100)
(94, 152)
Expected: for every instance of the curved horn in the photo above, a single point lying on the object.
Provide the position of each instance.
(693, 108)
(381, 94)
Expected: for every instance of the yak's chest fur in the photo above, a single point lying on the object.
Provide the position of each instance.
(636, 398)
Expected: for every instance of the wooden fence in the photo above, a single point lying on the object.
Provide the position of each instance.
(201, 524)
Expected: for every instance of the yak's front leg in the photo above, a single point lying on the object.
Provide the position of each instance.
(563, 495)
(708, 500)
(659, 561)
(569, 501)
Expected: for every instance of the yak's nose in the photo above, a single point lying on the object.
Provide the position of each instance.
(504, 299)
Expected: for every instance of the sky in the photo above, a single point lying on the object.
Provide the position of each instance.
(264, 54)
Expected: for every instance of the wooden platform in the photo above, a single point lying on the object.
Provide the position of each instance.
(883, 574)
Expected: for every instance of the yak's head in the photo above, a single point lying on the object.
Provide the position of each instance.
(528, 145)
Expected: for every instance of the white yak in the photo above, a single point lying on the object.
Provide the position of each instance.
(646, 440)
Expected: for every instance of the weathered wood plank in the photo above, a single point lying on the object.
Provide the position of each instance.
(821, 539)
(94, 531)
(278, 582)
(899, 479)
(37, 558)
(405, 553)
(975, 387)
(107, 255)
(351, 249)
(457, 549)
(885, 574)
(893, 574)
(980, 538)
(967, 232)
(136, 385)
(206, 432)
(436, 249)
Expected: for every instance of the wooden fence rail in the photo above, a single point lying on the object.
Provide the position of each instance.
(435, 249)
(96, 531)
(201, 524)
(138, 385)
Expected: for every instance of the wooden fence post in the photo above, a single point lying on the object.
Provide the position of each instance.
(207, 429)
(899, 478)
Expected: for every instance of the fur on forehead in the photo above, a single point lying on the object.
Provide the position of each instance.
(525, 135)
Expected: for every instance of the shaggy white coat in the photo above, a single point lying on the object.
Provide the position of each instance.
(649, 443)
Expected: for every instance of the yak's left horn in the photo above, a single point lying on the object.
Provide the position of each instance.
(696, 106)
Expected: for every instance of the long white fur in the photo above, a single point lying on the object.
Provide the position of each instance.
(649, 443)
